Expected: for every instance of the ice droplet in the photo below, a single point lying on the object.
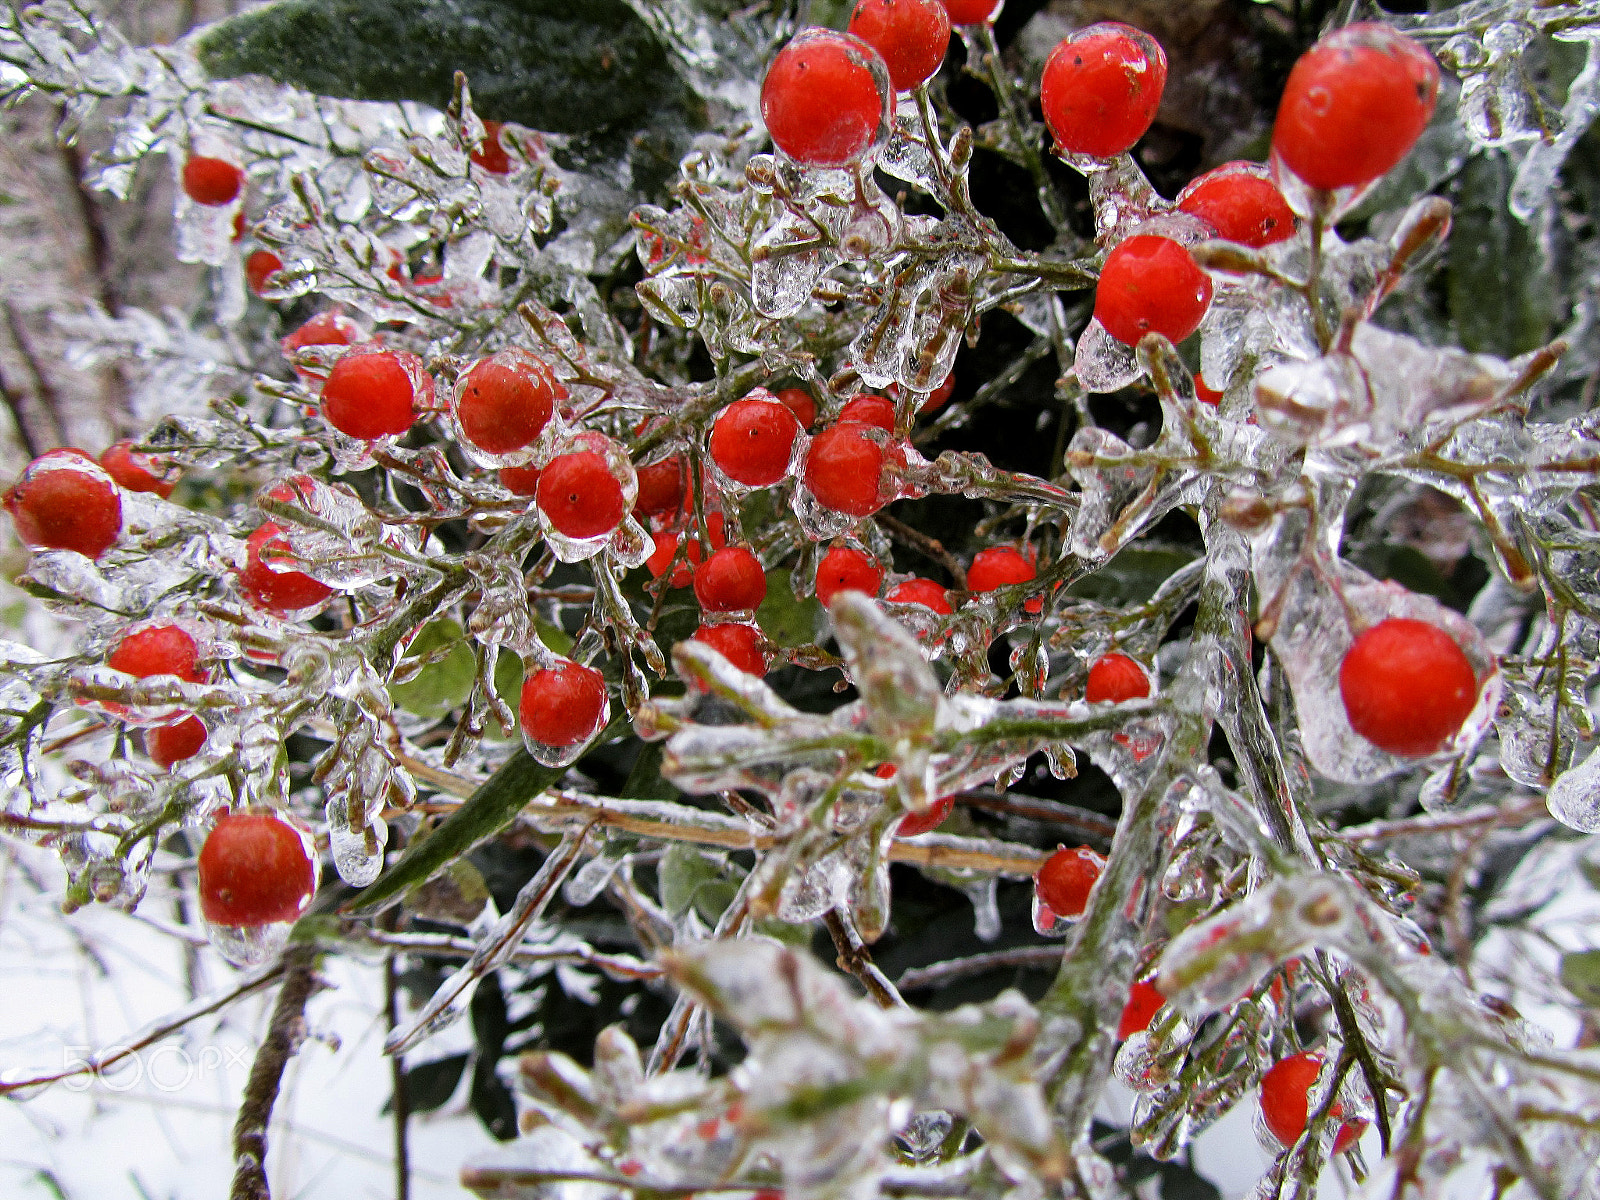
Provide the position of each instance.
(1103, 364)
(248, 945)
(1574, 798)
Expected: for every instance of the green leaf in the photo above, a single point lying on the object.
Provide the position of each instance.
(1132, 577)
(430, 1085)
(1503, 291)
(550, 64)
(1580, 973)
(683, 872)
(787, 619)
(445, 682)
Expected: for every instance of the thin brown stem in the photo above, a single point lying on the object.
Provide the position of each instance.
(857, 959)
(284, 1035)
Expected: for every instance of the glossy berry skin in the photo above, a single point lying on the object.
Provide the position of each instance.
(666, 552)
(731, 580)
(258, 266)
(1407, 687)
(213, 182)
(1354, 105)
(324, 329)
(505, 401)
(580, 496)
(739, 644)
(491, 155)
(825, 98)
(799, 402)
(1205, 392)
(255, 869)
(562, 705)
(132, 470)
(660, 488)
(877, 411)
(844, 467)
(1064, 882)
(911, 35)
(1283, 1095)
(1116, 678)
(1101, 88)
(1151, 284)
(752, 441)
(915, 824)
(1144, 1002)
(158, 650)
(520, 481)
(371, 395)
(924, 592)
(970, 12)
(998, 567)
(940, 395)
(167, 744)
(65, 501)
(277, 590)
(1241, 203)
(844, 569)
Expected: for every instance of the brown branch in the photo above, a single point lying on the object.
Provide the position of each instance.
(44, 392)
(940, 973)
(923, 544)
(397, 1078)
(1053, 812)
(13, 402)
(97, 247)
(855, 958)
(284, 1035)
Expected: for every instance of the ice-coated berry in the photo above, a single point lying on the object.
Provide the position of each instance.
(66, 501)
(1101, 88)
(911, 35)
(1065, 880)
(924, 592)
(132, 470)
(731, 580)
(1283, 1095)
(877, 411)
(324, 329)
(580, 496)
(258, 266)
(825, 98)
(660, 487)
(1239, 201)
(158, 650)
(520, 481)
(255, 869)
(844, 569)
(752, 441)
(1116, 678)
(278, 590)
(998, 567)
(371, 394)
(935, 815)
(213, 182)
(1407, 687)
(1354, 105)
(1151, 284)
(491, 154)
(970, 12)
(504, 401)
(799, 402)
(167, 744)
(844, 469)
(1144, 1002)
(562, 705)
(741, 645)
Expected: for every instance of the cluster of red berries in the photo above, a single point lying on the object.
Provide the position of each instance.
(1284, 1107)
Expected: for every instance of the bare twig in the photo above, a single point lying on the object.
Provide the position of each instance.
(857, 959)
(925, 545)
(940, 973)
(284, 1035)
(397, 1080)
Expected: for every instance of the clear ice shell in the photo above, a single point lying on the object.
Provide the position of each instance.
(249, 945)
(1574, 798)
(1101, 363)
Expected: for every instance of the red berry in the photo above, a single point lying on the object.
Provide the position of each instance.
(1205, 392)
(258, 266)
(924, 592)
(491, 155)
(580, 496)
(799, 402)
(324, 329)
(752, 441)
(912, 36)
(1349, 1132)
(998, 567)
(660, 487)
(1283, 1095)
(1116, 678)
(65, 501)
(970, 12)
(212, 182)
(939, 396)
(278, 590)
(504, 402)
(132, 471)
(1151, 284)
(1101, 88)
(371, 394)
(1144, 1001)
(520, 481)
(844, 469)
(1064, 882)
(1354, 105)
(877, 411)
(255, 869)
(1407, 687)
(158, 650)
(1241, 203)
(914, 824)
(562, 705)
(667, 550)
(730, 580)
(843, 569)
(167, 744)
(825, 98)
(739, 644)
